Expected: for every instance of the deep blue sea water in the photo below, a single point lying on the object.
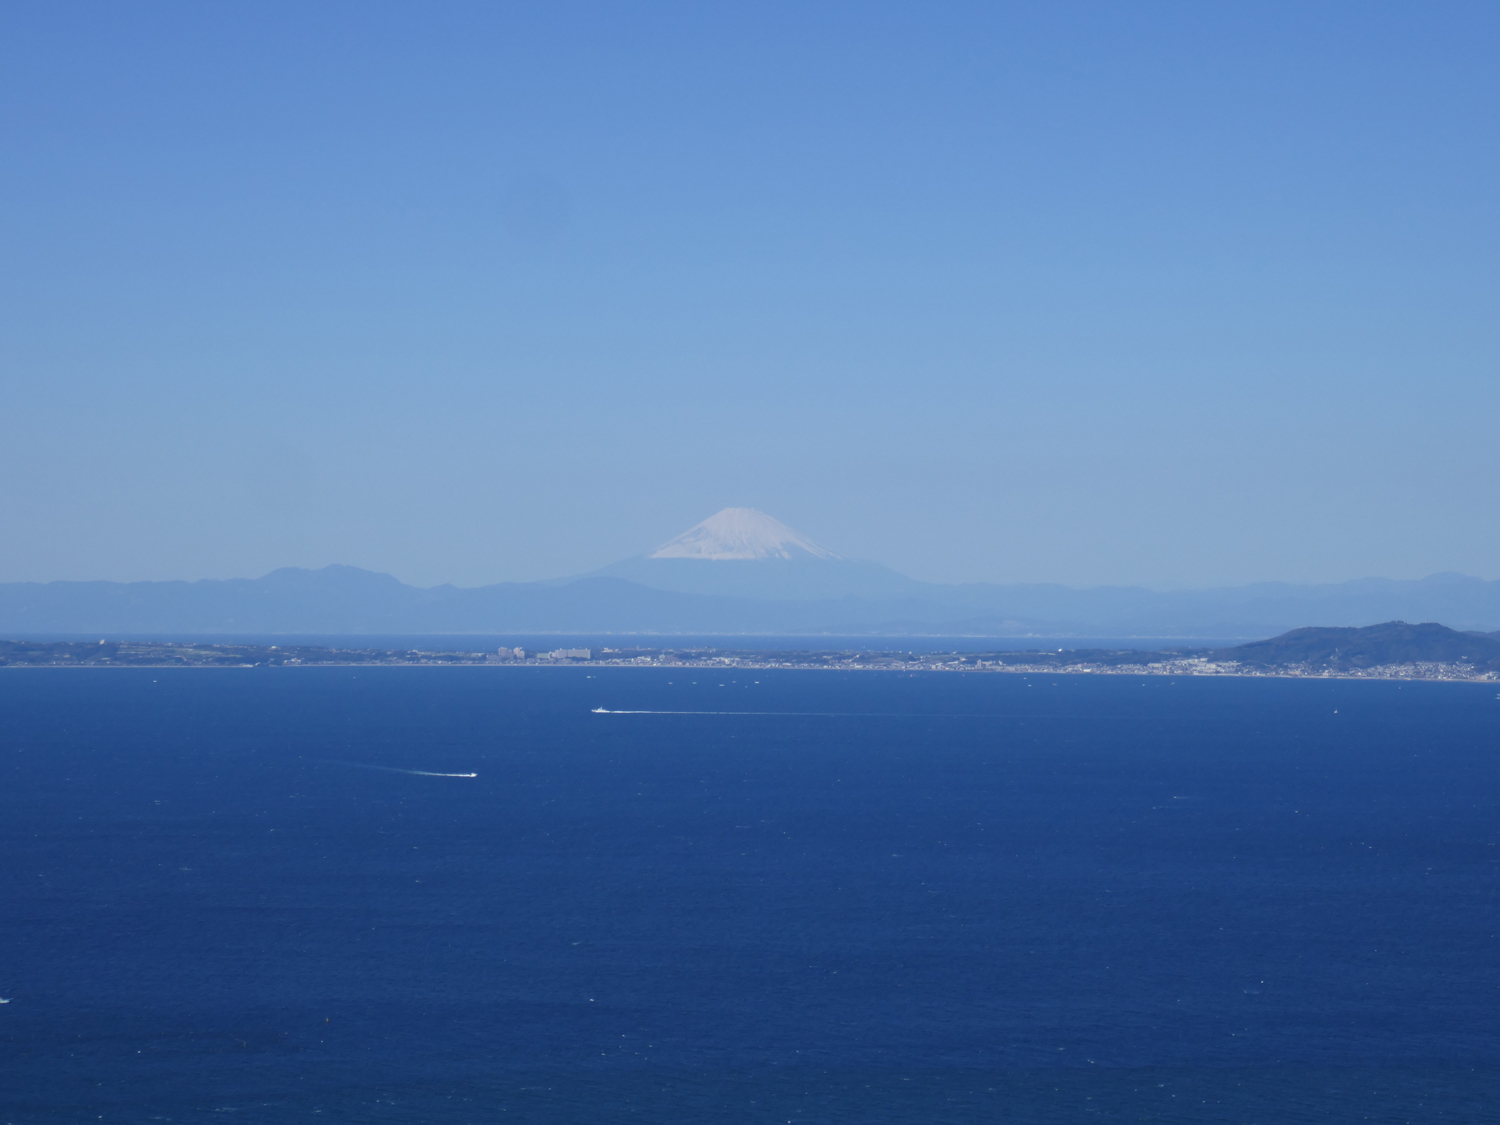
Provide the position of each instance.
(898, 898)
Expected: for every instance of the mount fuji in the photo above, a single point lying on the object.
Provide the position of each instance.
(740, 533)
(737, 572)
(744, 553)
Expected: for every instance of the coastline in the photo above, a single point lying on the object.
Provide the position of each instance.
(127, 656)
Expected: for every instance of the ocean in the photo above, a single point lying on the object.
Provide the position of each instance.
(774, 896)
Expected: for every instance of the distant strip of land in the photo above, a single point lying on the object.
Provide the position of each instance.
(1394, 650)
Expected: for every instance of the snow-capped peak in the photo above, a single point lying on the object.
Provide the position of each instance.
(740, 533)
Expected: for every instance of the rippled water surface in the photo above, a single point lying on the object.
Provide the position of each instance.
(874, 898)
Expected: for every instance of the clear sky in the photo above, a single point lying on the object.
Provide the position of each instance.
(1170, 294)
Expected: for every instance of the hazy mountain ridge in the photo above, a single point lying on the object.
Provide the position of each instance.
(1268, 607)
(343, 599)
(743, 553)
(794, 579)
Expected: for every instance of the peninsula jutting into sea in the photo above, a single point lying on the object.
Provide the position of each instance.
(1394, 650)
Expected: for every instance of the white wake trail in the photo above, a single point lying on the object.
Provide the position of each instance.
(394, 769)
(793, 714)
(603, 711)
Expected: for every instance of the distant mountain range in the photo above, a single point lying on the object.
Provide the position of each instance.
(738, 572)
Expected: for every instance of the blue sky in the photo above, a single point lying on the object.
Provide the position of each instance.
(1170, 294)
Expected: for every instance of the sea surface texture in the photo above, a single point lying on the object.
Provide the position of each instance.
(793, 896)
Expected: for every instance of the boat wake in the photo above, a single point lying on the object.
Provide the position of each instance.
(791, 714)
(394, 769)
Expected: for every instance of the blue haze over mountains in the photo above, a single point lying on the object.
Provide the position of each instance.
(755, 577)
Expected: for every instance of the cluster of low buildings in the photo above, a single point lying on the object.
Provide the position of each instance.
(990, 662)
(1122, 663)
(505, 654)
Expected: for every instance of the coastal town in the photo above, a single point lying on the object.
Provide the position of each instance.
(1115, 662)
